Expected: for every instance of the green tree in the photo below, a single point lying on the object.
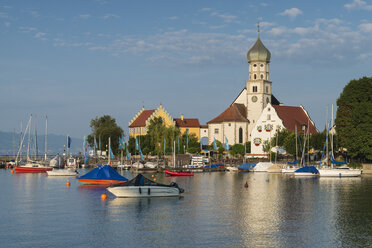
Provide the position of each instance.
(354, 118)
(105, 127)
(237, 149)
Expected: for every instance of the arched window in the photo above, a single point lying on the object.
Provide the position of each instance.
(240, 135)
(261, 76)
(255, 76)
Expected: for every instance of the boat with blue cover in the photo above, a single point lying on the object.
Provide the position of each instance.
(103, 174)
(307, 171)
(246, 166)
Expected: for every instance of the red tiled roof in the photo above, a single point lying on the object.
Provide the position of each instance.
(203, 126)
(142, 118)
(187, 122)
(294, 116)
(236, 112)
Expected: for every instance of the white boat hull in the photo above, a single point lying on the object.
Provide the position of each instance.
(289, 170)
(66, 173)
(340, 173)
(143, 191)
(230, 168)
(306, 174)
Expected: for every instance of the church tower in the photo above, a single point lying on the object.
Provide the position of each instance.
(258, 85)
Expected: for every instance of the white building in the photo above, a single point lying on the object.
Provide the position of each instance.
(273, 119)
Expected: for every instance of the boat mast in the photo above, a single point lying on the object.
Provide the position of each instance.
(296, 141)
(109, 151)
(327, 139)
(331, 133)
(22, 139)
(174, 154)
(29, 139)
(35, 141)
(46, 134)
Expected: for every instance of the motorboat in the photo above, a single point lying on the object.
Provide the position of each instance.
(138, 165)
(179, 173)
(151, 165)
(342, 171)
(103, 174)
(141, 186)
(62, 172)
(124, 166)
(71, 163)
(290, 169)
(307, 171)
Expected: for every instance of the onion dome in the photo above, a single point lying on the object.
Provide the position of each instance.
(258, 52)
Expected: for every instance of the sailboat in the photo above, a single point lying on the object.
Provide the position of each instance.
(306, 170)
(336, 171)
(31, 165)
(292, 166)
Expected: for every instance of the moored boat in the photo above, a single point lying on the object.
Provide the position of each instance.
(141, 186)
(342, 171)
(178, 173)
(62, 172)
(246, 167)
(32, 167)
(307, 171)
(103, 174)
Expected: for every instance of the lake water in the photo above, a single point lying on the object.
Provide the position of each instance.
(215, 211)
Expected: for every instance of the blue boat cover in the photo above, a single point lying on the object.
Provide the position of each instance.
(295, 162)
(246, 166)
(308, 169)
(103, 172)
(337, 162)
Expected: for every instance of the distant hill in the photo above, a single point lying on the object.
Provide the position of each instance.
(55, 144)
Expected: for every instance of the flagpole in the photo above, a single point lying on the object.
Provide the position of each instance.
(109, 151)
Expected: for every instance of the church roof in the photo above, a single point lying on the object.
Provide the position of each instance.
(258, 52)
(140, 121)
(295, 116)
(236, 112)
(187, 122)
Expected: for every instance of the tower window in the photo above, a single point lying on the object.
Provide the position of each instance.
(267, 89)
(255, 76)
(254, 89)
(261, 65)
(267, 100)
(261, 76)
(254, 65)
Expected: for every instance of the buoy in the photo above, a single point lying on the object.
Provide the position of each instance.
(45, 174)
(68, 184)
(12, 171)
(282, 175)
(246, 184)
(291, 176)
(152, 175)
(154, 179)
(104, 196)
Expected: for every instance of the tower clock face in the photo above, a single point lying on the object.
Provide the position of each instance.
(254, 98)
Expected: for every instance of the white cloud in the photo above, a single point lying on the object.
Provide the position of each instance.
(27, 29)
(85, 16)
(358, 4)
(365, 27)
(4, 15)
(108, 16)
(292, 13)
(173, 18)
(264, 4)
(205, 9)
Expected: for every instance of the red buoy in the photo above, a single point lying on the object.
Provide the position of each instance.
(246, 184)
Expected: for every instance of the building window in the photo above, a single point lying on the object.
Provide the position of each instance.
(261, 76)
(216, 130)
(229, 124)
(267, 100)
(255, 76)
(268, 117)
(187, 130)
(261, 65)
(254, 89)
(254, 65)
(267, 89)
(240, 135)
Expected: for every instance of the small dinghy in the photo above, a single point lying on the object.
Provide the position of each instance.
(103, 174)
(178, 173)
(141, 186)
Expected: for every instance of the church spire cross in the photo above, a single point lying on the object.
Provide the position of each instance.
(258, 29)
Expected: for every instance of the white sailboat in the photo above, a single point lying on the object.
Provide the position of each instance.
(336, 171)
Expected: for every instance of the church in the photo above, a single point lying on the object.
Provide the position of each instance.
(241, 121)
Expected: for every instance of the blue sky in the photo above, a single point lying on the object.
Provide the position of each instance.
(75, 60)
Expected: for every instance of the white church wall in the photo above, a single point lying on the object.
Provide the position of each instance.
(242, 97)
(266, 126)
(215, 132)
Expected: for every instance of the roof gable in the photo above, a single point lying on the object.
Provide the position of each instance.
(236, 112)
(187, 122)
(293, 117)
(141, 119)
